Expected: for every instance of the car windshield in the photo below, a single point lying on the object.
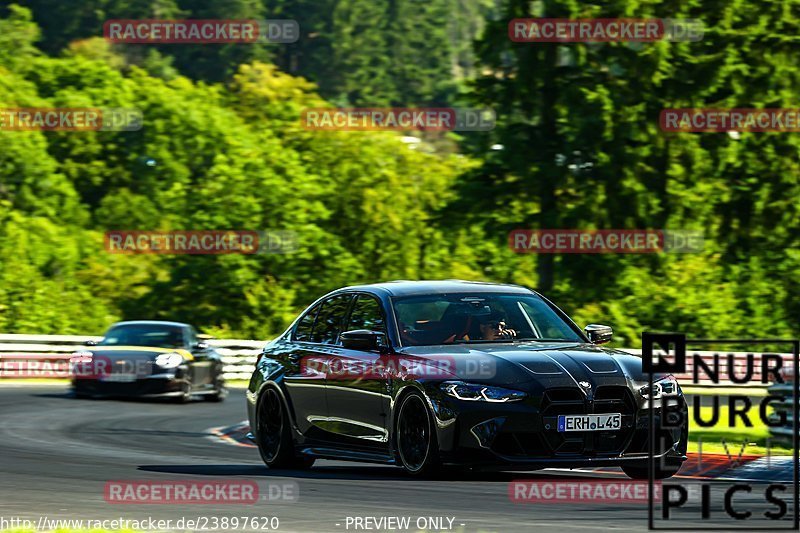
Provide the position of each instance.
(144, 335)
(459, 318)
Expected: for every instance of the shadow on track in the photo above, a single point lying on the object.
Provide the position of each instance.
(355, 472)
(158, 432)
(69, 395)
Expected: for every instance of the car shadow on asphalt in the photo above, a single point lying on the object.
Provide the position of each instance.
(69, 395)
(65, 394)
(355, 472)
(147, 432)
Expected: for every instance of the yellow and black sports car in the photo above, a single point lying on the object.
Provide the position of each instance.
(149, 359)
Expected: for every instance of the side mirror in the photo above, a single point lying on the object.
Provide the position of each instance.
(599, 334)
(91, 342)
(363, 339)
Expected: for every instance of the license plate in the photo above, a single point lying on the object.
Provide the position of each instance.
(604, 422)
(119, 378)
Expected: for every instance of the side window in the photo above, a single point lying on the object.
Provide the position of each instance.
(366, 314)
(302, 332)
(191, 337)
(330, 318)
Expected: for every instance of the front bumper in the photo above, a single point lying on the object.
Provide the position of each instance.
(162, 386)
(525, 433)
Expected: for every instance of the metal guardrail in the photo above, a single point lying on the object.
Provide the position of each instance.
(47, 356)
(41, 356)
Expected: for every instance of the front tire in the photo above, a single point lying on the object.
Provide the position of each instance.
(417, 446)
(219, 394)
(273, 434)
(186, 394)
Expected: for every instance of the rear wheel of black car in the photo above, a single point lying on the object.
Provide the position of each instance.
(416, 437)
(273, 434)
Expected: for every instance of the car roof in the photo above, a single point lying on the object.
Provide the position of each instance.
(151, 323)
(447, 286)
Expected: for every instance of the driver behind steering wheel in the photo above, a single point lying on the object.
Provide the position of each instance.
(493, 327)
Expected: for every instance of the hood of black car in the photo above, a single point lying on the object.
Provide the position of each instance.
(548, 364)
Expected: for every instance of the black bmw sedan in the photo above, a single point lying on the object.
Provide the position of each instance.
(431, 373)
(149, 359)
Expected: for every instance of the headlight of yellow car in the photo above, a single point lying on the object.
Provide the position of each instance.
(169, 360)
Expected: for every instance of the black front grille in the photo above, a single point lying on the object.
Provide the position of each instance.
(563, 402)
(614, 399)
(573, 401)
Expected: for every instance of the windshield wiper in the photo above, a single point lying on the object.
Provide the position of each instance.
(481, 341)
(538, 339)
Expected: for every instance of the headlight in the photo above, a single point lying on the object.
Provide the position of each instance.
(480, 393)
(667, 386)
(169, 360)
(81, 356)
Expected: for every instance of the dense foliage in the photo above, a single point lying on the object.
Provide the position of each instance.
(222, 148)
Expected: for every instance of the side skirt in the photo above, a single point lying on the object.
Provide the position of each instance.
(346, 455)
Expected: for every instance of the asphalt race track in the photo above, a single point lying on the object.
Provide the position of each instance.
(57, 453)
